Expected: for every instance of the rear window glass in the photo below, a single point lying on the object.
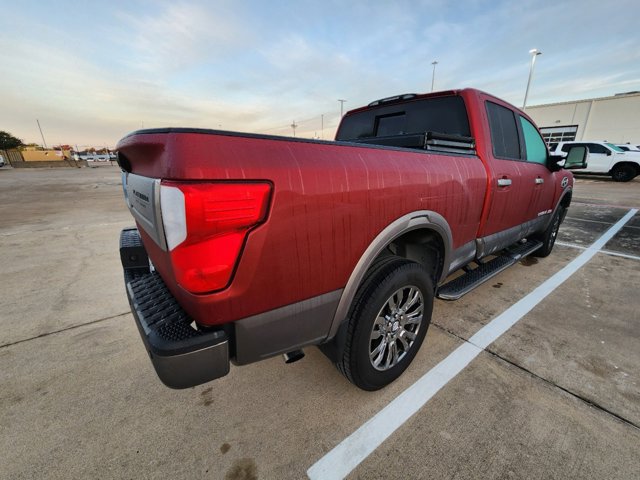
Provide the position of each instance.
(442, 115)
(504, 131)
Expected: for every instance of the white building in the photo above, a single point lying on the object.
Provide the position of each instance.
(615, 119)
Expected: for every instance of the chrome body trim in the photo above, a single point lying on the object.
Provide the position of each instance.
(142, 195)
(462, 255)
(497, 241)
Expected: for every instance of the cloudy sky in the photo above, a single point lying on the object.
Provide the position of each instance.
(93, 71)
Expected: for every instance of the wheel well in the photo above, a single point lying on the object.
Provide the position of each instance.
(423, 246)
(635, 166)
(566, 201)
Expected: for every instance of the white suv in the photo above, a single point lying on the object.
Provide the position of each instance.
(627, 147)
(606, 158)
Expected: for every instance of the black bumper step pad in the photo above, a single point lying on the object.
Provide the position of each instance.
(165, 323)
(182, 355)
(463, 284)
(133, 255)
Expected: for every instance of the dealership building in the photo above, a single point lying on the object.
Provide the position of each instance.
(615, 119)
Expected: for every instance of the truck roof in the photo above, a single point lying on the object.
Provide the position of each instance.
(411, 97)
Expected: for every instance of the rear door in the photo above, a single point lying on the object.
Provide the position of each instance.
(512, 179)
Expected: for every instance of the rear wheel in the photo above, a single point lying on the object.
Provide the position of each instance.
(387, 324)
(623, 173)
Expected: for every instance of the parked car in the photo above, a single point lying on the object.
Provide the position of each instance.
(1, 161)
(264, 245)
(606, 158)
(627, 147)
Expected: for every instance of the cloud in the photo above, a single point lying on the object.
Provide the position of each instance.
(182, 35)
(259, 66)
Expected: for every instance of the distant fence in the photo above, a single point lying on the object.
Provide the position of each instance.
(12, 156)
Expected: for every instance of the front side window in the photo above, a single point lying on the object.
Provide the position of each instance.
(615, 148)
(533, 142)
(504, 132)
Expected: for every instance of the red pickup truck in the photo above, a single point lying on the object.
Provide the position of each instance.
(248, 246)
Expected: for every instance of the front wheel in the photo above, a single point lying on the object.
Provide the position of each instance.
(623, 173)
(548, 237)
(387, 324)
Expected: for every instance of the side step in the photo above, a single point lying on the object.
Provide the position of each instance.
(463, 284)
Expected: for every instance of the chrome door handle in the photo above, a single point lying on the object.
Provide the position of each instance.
(504, 182)
(539, 181)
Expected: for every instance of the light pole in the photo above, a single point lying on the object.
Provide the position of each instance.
(294, 125)
(534, 53)
(41, 134)
(433, 75)
(341, 106)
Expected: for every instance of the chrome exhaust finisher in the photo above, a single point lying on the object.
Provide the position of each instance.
(293, 356)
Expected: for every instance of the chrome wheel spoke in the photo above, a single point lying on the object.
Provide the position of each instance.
(378, 353)
(393, 305)
(395, 328)
(403, 341)
(414, 320)
(415, 297)
(410, 335)
(378, 328)
(392, 355)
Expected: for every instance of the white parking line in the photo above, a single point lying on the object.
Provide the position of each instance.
(606, 252)
(349, 453)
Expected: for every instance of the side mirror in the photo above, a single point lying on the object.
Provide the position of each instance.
(576, 158)
(608, 153)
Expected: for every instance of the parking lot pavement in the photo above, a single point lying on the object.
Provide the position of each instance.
(59, 249)
(496, 421)
(557, 396)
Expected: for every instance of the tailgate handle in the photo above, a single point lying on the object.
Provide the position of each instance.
(504, 182)
(539, 181)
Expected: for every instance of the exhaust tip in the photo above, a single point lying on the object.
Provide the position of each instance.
(293, 356)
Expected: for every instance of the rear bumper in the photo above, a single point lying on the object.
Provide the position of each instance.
(181, 355)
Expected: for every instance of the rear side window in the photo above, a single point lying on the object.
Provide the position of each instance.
(441, 114)
(533, 143)
(504, 132)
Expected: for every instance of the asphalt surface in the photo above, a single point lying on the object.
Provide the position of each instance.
(556, 396)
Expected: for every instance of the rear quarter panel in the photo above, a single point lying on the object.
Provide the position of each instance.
(330, 200)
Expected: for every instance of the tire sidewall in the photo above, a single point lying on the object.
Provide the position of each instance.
(623, 173)
(405, 274)
(547, 238)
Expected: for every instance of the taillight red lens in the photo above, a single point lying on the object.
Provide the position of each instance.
(217, 217)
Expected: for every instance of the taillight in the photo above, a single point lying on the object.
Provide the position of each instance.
(206, 225)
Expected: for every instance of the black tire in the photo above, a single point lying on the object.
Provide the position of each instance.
(395, 282)
(548, 237)
(623, 173)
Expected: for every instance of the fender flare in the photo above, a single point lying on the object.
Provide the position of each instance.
(567, 191)
(421, 219)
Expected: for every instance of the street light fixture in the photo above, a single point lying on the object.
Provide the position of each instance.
(341, 100)
(433, 75)
(534, 53)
